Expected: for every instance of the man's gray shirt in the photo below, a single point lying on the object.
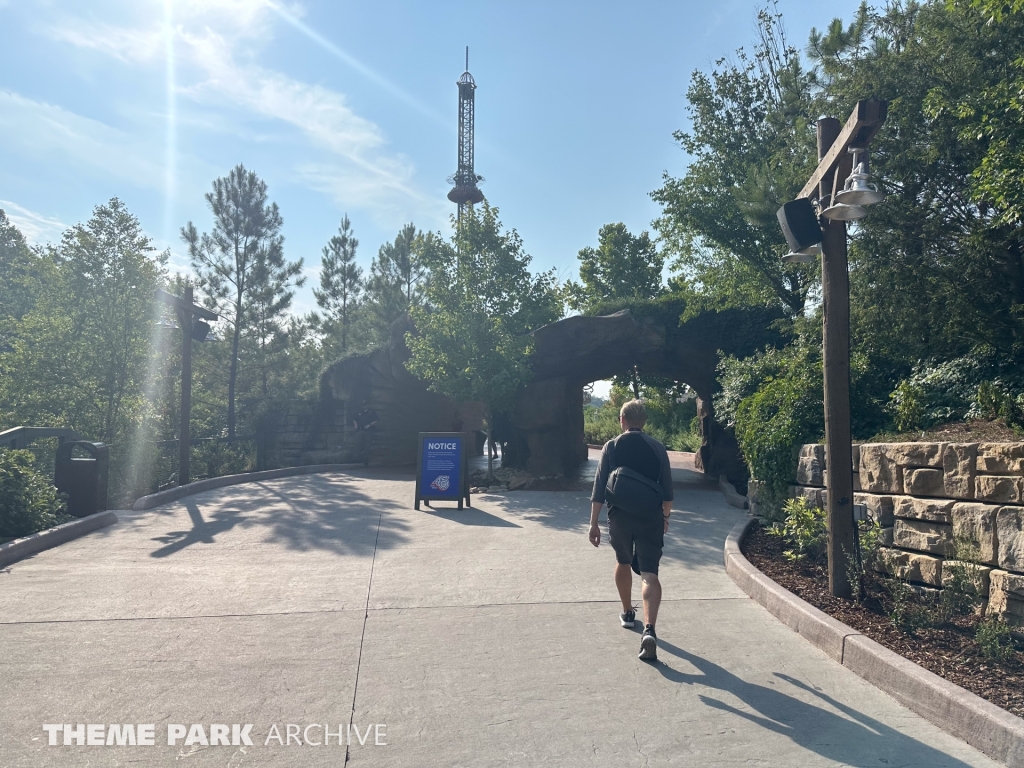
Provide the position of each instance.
(641, 453)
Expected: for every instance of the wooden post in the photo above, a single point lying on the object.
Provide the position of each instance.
(835, 289)
(184, 438)
(186, 312)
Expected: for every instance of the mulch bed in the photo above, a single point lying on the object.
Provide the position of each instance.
(948, 650)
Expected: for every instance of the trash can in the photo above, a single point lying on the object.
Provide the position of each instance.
(83, 478)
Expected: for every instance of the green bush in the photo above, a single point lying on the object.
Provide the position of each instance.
(600, 424)
(29, 502)
(963, 585)
(804, 527)
(671, 413)
(995, 640)
(781, 415)
(994, 400)
(975, 386)
(214, 459)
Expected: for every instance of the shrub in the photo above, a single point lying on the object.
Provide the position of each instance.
(995, 640)
(963, 585)
(782, 414)
(994, 400)
(29, 502)
(600, 424)
(978, 385)
(804, 527)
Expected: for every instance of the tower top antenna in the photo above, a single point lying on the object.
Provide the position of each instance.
(467, 58)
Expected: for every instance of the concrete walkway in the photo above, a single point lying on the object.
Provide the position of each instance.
(486, 637)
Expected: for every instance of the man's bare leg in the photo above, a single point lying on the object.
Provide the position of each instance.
(651, 594)
(624, 583)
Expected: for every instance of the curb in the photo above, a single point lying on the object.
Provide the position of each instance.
(980, 723)
(173, 494)
(16, 550)
(731, 497)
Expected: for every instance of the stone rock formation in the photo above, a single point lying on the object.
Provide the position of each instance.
(544, 432)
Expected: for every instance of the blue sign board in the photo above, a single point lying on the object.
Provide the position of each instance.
(441, 468)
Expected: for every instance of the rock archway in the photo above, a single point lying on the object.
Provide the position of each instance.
(546, 428)
(544, 432)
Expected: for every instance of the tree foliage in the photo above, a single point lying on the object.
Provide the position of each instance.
(623, 266)
(242, 268)
(472, 335)
(935, 270)
(79, 357)
(398, 279)
(752, 144)
(341, 287)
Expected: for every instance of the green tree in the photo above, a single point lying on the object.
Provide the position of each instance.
(341, 286)
(752, 143)
(266, 340)
(82, 352)
(472, 336)
(398, 277)
(997, 10)
(937, 269)
(244, 248)
(623, 266)
(21, 271)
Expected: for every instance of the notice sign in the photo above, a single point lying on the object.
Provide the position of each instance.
(441, 468)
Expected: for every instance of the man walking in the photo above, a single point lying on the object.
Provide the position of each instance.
(641, 528)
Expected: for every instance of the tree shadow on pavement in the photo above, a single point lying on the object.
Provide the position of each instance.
(847, 736)
(470, 516)
(323, 512)
(202, 531)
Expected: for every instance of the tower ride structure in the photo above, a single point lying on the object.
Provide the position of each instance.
(465, 191)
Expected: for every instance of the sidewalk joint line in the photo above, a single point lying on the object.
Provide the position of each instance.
(367, 608)
(362, 636)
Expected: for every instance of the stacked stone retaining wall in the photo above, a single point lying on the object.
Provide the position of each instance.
(927, 497)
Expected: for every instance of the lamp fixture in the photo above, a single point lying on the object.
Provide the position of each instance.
(844, 212)
(857, 190)
(806, 256)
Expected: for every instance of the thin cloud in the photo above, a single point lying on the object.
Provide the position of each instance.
(215, 39)
(44, 130)
(344, 56)
(37, 228)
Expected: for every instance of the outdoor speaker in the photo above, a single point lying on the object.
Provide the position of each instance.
(200, 330)
(799, 224)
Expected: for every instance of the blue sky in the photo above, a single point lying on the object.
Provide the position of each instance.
(350, 107)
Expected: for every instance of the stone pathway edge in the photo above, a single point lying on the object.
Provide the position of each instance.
(961, 713)
(16, 550)
(180, 491)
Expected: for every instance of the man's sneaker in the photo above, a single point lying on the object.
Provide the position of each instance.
(648, 645)
(626, 618)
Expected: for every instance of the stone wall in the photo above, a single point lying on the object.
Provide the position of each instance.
(926, 496)
(322, 432)
(313, 433)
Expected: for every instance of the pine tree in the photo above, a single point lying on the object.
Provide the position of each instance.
(239, 256)
(398, 277)
(341, 284)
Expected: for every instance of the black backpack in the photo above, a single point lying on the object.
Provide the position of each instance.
(633, 493)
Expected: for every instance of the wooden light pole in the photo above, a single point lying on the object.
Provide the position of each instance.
(187, 312)
(834, 166)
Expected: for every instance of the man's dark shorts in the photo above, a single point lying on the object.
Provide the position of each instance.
(647, 534)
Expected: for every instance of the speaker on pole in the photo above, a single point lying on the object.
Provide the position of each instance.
(799, 224)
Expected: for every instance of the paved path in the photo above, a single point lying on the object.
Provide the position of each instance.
(486, 637)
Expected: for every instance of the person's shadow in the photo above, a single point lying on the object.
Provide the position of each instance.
(837, 732)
